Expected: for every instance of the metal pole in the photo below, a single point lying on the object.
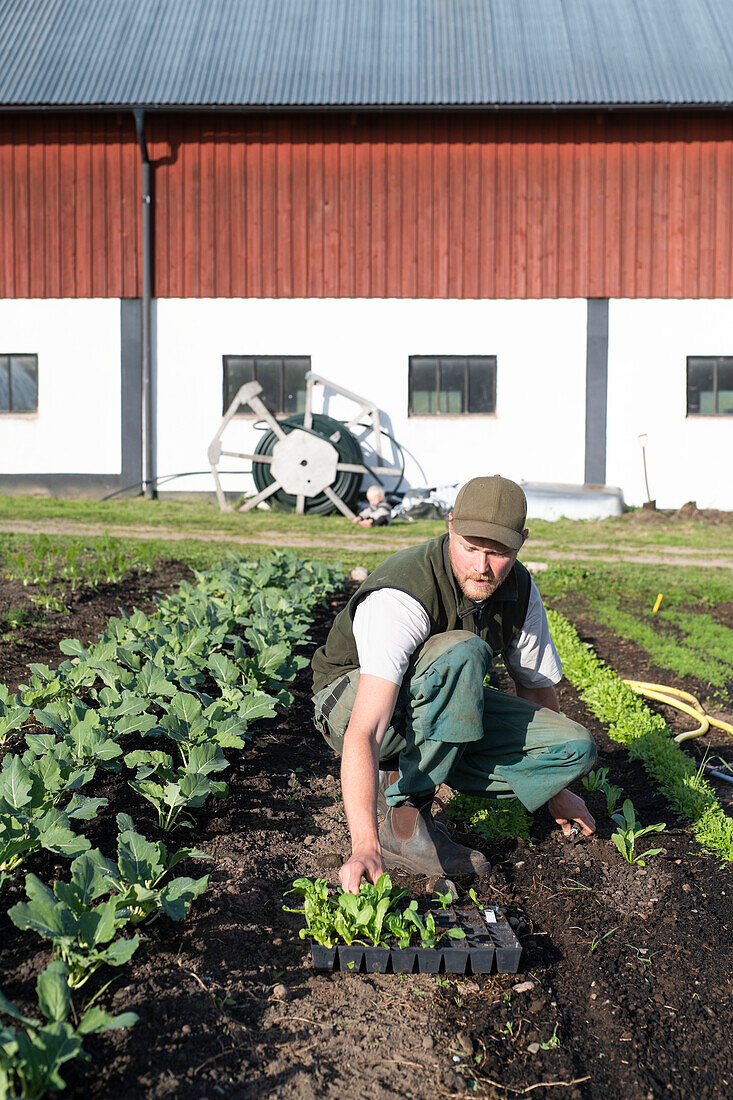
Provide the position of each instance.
(147, 272)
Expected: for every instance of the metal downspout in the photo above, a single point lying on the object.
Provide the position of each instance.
(147, 339)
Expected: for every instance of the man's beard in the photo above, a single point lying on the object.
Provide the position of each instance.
(467, 586)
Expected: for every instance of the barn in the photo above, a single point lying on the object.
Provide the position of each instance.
(508, 223)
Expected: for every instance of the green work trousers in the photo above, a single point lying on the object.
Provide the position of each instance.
(447, 727)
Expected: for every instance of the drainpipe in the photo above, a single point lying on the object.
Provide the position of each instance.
(147, 340)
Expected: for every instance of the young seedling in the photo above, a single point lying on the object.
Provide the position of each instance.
(598, 938)
(318, 910)
(595, 780)
(32, 1054)
(429, 935)
(612, 794)
(629, 832)
(445, 900)
(553, 1042)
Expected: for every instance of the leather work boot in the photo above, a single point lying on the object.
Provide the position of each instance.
(412, 840)
(386, 779)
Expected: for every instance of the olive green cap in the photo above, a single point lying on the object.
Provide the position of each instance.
(491, 508)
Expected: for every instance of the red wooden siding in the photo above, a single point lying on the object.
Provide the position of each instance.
(465, 206)
(69, 207)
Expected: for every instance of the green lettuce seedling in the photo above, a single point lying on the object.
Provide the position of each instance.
(612, 794)
(429, 935)
(318, 911)
(629, 832)
(595, 780)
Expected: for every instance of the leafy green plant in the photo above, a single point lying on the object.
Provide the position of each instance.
(82, 933)
(429, 934)
(595, 780)
(612, 794)
(12, 714)
(174, 790)
(493, 818)
(137, 881)
(444, 900)
(32, 1055)
(317, 910)
(30, 819)
(629, 832)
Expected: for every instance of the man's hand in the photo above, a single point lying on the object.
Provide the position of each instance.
(566, 808)
(364, 863)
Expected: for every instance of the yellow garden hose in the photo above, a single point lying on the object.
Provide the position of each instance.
(672, 696)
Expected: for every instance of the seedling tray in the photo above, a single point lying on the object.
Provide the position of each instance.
(490, 944)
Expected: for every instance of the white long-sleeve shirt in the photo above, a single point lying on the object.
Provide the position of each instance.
(390, 624)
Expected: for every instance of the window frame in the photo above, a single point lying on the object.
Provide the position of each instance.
(244, 412)
(10, 355)
(491, 360)
(715, 361)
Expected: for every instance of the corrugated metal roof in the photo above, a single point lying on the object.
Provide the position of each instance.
(310, 53)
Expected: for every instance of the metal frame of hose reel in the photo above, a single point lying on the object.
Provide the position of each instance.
(303, 463)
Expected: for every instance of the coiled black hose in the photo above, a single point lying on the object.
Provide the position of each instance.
(346, 485)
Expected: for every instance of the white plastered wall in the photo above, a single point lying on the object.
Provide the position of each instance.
(538, 430)
(688, 458)
(77, 426)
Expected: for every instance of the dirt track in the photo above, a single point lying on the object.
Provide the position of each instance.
(537, 550)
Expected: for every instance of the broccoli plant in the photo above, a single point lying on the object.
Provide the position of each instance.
(629, 832)
(31, 1055)
(12, 714)
(83, 933)
(172, 790)
(137, 880)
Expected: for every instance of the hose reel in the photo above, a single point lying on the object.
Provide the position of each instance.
(307, 463)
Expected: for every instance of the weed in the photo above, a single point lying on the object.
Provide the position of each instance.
(553, 1042)
(598, 938)
(643, 955)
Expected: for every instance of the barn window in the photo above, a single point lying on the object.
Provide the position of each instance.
(709, 385)
(452, 385)
(282, 378)
(18, 383)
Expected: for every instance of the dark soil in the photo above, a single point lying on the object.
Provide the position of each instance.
(629, 969)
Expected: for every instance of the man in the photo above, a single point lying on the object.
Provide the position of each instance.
(399, 692)
(377, 512)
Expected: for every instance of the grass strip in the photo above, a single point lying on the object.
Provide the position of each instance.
(632, 723)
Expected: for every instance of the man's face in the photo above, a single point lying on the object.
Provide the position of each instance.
(479, 565)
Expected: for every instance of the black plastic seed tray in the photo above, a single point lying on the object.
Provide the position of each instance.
(490, 944)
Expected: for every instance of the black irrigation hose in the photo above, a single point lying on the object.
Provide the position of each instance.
(165, 477)
(346, 484)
